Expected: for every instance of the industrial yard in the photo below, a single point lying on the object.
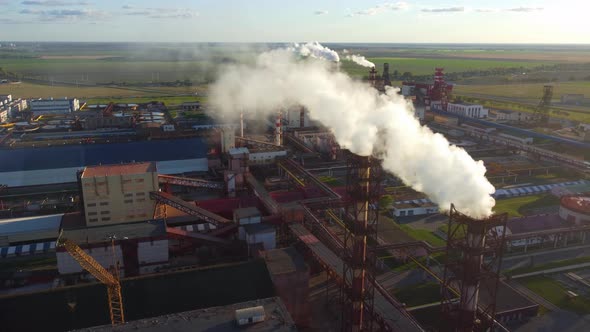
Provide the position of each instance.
(150, 206)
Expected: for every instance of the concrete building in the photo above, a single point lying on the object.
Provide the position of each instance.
(222, 318)
(191, 106)
(54, 106)
(228, 139)
(297, 117)
(413, 208)
(575, 209)
(264, 157)
(3, 115)
(115, 194)
(138, 248)
(468, 110)
(509, 116)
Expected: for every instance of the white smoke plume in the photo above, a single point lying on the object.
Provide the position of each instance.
(360, 60)
(362, 120)
(315, 50)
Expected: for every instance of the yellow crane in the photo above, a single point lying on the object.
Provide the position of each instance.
(111, 280)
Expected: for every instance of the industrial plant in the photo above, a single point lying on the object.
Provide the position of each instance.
(119, 216)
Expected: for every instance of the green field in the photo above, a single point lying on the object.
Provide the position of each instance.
(517, 206)
(423, 235)
(27, 90)
(531, 91)
(555, 293)
(552, 265)
(425, 66)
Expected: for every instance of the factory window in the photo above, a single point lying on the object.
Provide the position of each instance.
(128, 201)
(140, 194)
(138, 180)
(126, 181)
(411, 213)
(104, 212)
(131, 216)
(104, 203)
(91, 213)
(93, 219)
(91, 205)
(106, 219)
(129, 195)
(402, 213)
(141, 200)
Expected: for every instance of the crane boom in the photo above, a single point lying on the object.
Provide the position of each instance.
(104, 276)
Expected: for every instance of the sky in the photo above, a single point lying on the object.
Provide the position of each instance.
(425, 21)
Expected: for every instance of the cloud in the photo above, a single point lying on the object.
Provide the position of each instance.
(54, 3)
(66, 15)
(320, 12)
(486, 10)
(159, 13)
(388, 6)
(444, 10)
(524, 9)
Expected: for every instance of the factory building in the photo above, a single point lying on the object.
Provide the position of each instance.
(54, 106)
(509, 116)
(117, 224)
(252, 230)
(10, 107)
(414, 208)
(29, 235)
(115, 194)
(465, 109)
(297, 117)
(575, 209)
(59, 164)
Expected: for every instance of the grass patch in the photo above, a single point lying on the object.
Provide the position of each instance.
(552, 265)
(329, 180)
(423, 235)
(555, 293)
(517, 206)
(418, 294)
(531, 91)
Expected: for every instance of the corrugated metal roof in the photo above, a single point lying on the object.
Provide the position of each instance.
(31, 224)
(27, 159)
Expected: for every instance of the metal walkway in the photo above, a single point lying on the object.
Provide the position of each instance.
(392, 314)
(189, 208)
(196, 236)
(189, 182)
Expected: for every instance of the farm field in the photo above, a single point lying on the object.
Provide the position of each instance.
(530, 91)
(517, 206)
(425, 66)
(28, 90)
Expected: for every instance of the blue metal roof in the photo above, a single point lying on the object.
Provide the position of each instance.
(27, 159)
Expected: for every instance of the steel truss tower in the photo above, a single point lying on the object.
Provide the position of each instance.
(362, 187)
(473, 262)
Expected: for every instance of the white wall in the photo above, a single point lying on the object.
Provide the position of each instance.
(564, 213)
(267, 239)
(103, 255)
(152, 252)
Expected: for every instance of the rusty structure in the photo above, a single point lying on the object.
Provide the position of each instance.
(358, 292)
(474, 258)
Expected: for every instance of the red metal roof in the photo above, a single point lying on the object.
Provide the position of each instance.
(579, 204)
(106, 170)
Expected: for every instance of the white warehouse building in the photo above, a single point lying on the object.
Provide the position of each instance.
(468, 109)
(54, 106)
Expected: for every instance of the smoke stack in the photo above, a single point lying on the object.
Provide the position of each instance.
(385, 76)
(242, 124)
(372, 77)
(279, 129)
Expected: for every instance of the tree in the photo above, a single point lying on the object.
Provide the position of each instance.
(406, 76)
(385, 202)
(395, 74)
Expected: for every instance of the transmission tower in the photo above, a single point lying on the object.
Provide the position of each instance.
(542, 111)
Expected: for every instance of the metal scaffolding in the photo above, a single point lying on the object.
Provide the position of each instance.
(360, 218)
(473, 263)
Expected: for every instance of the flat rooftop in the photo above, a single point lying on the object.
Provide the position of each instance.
(284, 260)
(30, 228)
(122, 169)
(211, 319)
